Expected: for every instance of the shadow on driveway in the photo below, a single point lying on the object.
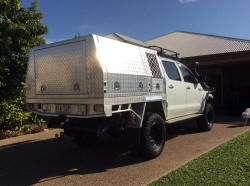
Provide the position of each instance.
(28, 162)
(31, 162)
(231, 121)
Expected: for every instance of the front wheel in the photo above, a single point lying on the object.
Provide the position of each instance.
(206, 122)
(153, 135)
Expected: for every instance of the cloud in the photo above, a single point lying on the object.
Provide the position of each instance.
(187, 1)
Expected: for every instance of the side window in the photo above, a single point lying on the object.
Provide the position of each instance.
(171, 70)
(187, 75)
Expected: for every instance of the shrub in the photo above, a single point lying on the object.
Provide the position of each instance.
(26, 129)
(13, 115)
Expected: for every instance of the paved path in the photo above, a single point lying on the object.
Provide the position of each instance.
(43, 160)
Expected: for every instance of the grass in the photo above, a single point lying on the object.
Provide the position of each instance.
(227, 164)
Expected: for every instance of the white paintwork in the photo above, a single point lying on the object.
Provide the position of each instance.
(176, 96)
(194, 97)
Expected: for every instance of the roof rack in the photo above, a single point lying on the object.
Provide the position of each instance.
(165, 52)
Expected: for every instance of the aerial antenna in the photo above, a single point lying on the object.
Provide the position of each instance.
(77, 36)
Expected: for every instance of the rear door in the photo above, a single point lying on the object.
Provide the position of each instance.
(194, 93)
(175, 90)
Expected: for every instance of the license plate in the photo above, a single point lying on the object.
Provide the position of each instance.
(62, 108)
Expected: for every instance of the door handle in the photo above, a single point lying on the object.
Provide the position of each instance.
(171, 86)
(188, 87)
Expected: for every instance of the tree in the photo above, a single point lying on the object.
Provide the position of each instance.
(20, 29)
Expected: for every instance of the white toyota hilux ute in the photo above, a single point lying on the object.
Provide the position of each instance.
(91, 85)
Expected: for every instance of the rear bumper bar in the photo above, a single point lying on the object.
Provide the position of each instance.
(68, 115)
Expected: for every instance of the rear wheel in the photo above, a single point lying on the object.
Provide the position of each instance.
(153, 135)
(206, 122)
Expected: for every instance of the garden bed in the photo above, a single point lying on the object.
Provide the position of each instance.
(26, 129)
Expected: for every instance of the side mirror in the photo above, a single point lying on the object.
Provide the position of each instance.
(195, 67)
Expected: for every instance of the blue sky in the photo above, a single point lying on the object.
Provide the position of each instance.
(144, 19)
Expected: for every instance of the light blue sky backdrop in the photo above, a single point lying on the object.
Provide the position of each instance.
(144, 19)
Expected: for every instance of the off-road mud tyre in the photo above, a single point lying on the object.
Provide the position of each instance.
(153, 136)
(206, 122)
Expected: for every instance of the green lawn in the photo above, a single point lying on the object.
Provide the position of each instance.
(228, 164)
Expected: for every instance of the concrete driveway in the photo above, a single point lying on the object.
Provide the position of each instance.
(43, 160)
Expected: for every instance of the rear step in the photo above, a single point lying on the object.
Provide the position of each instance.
(183, 118)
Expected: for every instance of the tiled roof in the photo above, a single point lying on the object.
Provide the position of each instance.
(190, 44)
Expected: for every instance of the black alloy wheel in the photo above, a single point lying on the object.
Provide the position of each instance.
(153, 135)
